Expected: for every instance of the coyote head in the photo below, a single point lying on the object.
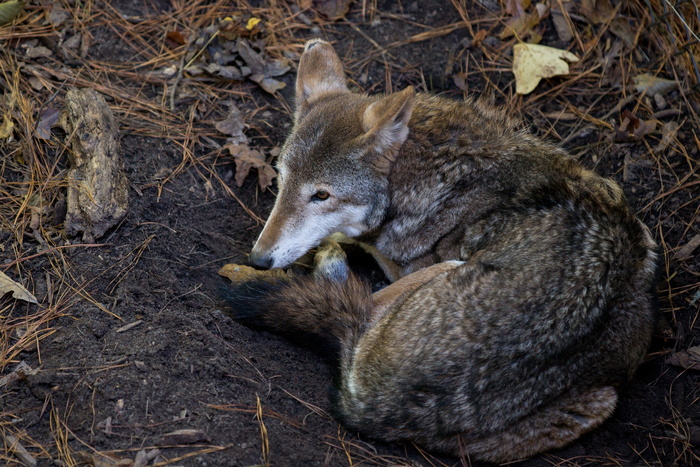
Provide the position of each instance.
(333, 169)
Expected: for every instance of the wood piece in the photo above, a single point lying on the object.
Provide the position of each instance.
(19, 451)
(18, 374)
(98, 190)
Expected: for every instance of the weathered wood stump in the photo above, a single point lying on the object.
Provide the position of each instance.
(98, 190)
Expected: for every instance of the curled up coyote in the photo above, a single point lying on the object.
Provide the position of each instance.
(524, 291)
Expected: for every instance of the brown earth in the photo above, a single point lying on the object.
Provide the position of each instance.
(258, 399)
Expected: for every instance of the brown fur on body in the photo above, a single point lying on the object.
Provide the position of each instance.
(515, 351)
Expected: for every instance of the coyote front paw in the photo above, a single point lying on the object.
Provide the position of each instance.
(239, 273)
(331, 262)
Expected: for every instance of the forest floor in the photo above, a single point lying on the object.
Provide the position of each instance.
(129, 341)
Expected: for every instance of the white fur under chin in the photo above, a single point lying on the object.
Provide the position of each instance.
(296, 240)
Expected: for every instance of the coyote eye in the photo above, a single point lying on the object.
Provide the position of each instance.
(320, 195)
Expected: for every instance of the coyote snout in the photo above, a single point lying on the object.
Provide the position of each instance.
(527, 289)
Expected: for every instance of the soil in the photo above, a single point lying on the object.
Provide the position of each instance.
(187, 365)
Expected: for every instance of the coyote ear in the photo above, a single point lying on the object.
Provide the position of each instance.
(386, 125)
(320, 72)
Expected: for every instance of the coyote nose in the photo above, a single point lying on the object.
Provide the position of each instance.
(259, 259)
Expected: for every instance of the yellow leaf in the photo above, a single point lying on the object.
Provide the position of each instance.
(9, 11)
(653, 85)
(7, 285)
(6, 127)
(252, 22)
(532, 62)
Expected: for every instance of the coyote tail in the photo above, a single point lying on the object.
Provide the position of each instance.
(323, 314)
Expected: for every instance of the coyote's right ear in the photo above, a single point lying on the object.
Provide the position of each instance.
(320, 72)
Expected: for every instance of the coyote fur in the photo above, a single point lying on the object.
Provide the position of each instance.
(524, 292)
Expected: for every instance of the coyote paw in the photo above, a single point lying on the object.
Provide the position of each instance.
(239, 273)
(331, 262)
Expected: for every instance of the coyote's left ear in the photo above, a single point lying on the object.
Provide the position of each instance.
(320, 72)
(386, 125)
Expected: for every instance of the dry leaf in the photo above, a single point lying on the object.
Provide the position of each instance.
(47, 120)
(597, 11)
(561, 24)
(520, 26)
(37, 52)
(516, 7)
(177, 37)
(7, 285)
(333, 9)
(57, 15)
(9, 11)
(6, 127)
(622, 28)
(653, 85)
(252, 22)
(247, 159)
(71, 43)
(460, 80)
(688, 359)
(270, 85)
(233, 125)
(533, 62)
(668, 134)
(633, 128)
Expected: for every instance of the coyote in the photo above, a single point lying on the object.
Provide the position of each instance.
(524, 291)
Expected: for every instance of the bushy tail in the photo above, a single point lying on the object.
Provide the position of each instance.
(324, 314)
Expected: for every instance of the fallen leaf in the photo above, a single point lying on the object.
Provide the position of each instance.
(333, 9)
(653, 85)
(9, 11)
(263, 70)
(561, 24)
(668, 134)
(252, 58)
(542, 10)
(688, 359)
(37, 52)
(516, 7)
(622, 28)
(460, 80)
(72, 42)
(225, 71)
(520, 26)
(266, 174)
(633, 128)
(57, 15)
(6, 127)
(479, 37)
(247, 159)
(47, 120)
(252, 22)
(270, 85)
(7, 285)
(597, 11)
(233, 125)
(532, 62)
(176, 36)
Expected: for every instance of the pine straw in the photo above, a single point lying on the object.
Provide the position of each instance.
(32, 170)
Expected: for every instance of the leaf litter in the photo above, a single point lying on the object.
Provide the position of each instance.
(532, 62)
(237, 145)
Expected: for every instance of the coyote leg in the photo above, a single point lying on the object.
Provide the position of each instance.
(551, 427)
(385, 298)
(391, 270)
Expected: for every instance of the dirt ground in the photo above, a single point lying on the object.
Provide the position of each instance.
(103, 391)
